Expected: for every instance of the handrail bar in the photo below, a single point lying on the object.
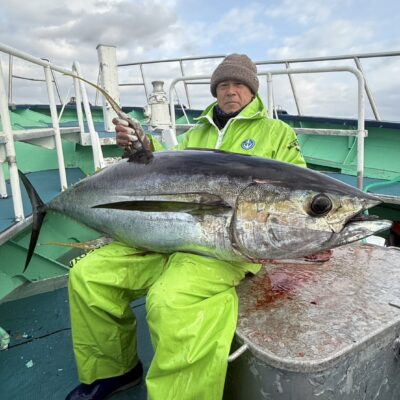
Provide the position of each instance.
(8, 146)
(330, 58)
(360, 104)
(27, 57)
(286, 62)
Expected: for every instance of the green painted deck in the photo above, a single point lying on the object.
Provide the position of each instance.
(39, 363)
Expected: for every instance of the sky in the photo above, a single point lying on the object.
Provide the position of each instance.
(63, 31)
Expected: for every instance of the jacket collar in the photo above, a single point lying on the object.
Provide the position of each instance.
(255, 109)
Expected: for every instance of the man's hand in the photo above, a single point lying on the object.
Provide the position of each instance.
(127, 136)
(131, 137)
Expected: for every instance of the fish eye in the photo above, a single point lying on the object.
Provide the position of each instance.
(320, 205)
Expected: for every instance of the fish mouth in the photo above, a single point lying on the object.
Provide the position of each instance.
(359, 227)
(362, 224)
(362, 217)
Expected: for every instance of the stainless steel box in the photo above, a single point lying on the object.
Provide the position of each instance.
(320, 331)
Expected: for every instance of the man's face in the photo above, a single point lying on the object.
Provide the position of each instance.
(232, 96)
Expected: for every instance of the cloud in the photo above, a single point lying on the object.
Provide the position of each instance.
(303, 12)
(61, 30)
(241, 25)
(64, 31)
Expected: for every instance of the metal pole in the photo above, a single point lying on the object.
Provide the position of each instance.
(144, 83)
(96, 99)
(78, 105)
(361, 131)
(54, 80)
(171, 100)
(96, 147)
(56, 127)
(107, 56)
(238, 352)
(369, 94)
(10, 76)
(270, 103)
(28, 57)
(10, 151)
(3, 186)
(185, 85)
(56, 86)
(292, 85)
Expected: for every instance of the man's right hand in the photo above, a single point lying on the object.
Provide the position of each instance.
(131, 137)
(127, 136)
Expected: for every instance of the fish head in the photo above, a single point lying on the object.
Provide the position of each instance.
(279, 220)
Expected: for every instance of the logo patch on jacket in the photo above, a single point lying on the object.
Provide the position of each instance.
(248, 144)
(294, 145)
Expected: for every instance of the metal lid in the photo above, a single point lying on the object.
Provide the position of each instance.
(308, 316)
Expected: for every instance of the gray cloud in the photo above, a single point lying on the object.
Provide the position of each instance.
(155, 29)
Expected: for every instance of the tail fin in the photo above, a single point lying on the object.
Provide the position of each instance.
(38, 212)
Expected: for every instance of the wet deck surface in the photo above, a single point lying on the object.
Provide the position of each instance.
(39, 363)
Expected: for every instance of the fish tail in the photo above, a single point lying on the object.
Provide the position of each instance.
(38, 212)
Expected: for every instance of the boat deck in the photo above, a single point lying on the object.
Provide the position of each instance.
(39, 363)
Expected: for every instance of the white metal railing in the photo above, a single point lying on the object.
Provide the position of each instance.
(286, 63)
(96, 147)
(360, 132)
(7, 143)
(10, 154)
(360, 108)
(181, 61)
(353, 57)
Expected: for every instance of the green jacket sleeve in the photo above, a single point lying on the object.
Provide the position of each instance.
(155, 144)
(288, 149)
(183, 140)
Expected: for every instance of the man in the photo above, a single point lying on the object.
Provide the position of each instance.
(191, 300)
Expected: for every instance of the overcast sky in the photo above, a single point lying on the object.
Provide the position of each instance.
(64, 31)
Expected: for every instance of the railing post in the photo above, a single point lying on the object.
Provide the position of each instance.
(361, 129)
(10, 77)
(270, 103)
(292, 85)
(185, 84)
(78, 105)
(144, 83)
(56, 127)
(171, 100)
(96, 147)
(107, 56)
(3, 187)
(369, 94)
(10, 151)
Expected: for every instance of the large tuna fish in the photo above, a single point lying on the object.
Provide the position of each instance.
(228, 206)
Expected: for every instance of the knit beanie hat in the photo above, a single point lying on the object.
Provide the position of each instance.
(235, 67)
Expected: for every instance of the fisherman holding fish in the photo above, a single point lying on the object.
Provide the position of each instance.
(191, 302)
